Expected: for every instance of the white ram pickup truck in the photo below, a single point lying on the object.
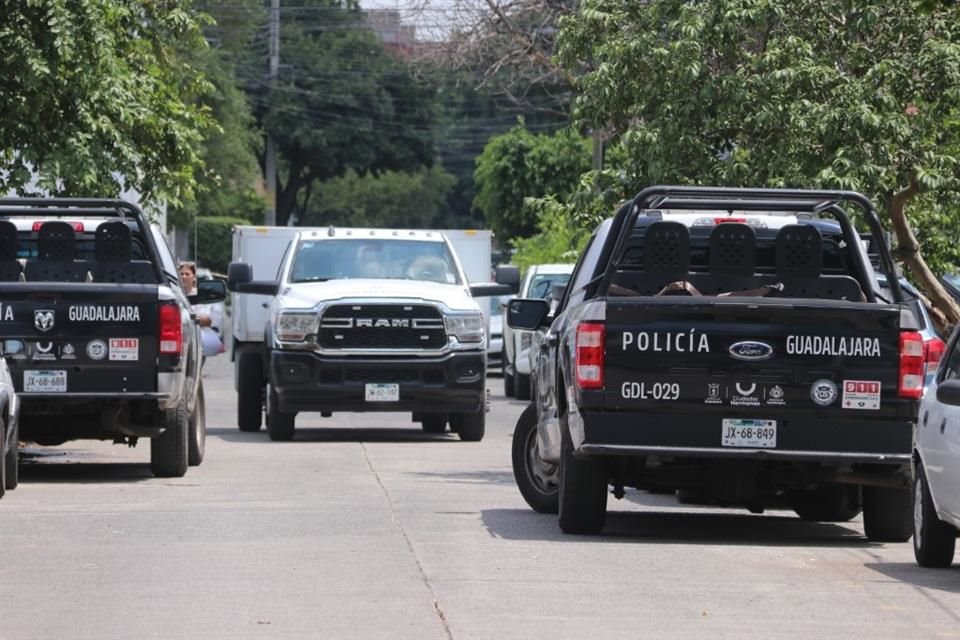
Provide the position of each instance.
(367, 320)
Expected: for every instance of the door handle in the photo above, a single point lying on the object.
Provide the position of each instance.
(943, 425)
(926, 414)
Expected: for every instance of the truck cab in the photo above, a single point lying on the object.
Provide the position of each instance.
(366, 320)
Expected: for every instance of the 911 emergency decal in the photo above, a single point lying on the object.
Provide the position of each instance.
(861, 394)
(681, 342)
(124, 349)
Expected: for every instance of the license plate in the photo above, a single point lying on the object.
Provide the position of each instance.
(759, 434)
(382, 392)
(44, 381)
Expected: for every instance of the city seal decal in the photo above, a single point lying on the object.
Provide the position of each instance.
(43, 319)
(104, 313)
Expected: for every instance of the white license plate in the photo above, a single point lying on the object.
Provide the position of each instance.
(382, 392)
(760, 434)
(44, 381)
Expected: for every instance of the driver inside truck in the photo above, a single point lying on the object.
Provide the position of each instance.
(367, 262)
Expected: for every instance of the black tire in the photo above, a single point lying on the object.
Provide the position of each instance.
(469, 426)
(888, 514)
(434, 423)
(521, 386)
(583, 490)
(538, 481)
(169, 451)
(249, 391)
(280, 426)
(831, 503)
(507, 377)
(198, 430)
(11, 473)
(934, 541)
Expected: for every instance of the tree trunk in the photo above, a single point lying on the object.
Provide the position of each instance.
(287, 194)
(908, 250)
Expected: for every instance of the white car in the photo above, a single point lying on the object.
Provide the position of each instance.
(495, 342)
(9, 413)
(936, 518)
(537, 283)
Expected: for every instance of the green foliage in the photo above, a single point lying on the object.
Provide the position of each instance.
(802, 93)
(97, 97)
(214, 238)
(519, 165)
(392, 199)
(342, 102)
(558, 238)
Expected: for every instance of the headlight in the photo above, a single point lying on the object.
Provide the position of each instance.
(465, 328)
(294, 327)
(526, 339)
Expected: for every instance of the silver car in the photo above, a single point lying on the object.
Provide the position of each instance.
(9, 413)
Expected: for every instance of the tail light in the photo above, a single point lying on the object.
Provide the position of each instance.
(934, 348)
(912, 365)
(77, 226)
(171, 330)
(591, 337)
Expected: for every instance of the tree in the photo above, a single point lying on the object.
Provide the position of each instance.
(829, 93)
(391, 199)
(520, 164)
(97, 97)
(342, 102)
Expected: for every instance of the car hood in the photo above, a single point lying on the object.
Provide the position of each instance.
(306, 295)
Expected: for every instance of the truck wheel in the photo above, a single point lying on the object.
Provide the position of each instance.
(583, 490)
(250, 391)
(198, 429)
(934, 541)
(280, 426)
(434, 423)
(887, 514)
(11, 472)
(832, 503)
(538, 481)
(169, 451)
(507, 377)
(521, 386)
(469, 426)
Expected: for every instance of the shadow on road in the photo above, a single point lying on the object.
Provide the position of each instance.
(939, 579)
(337, 434)
(658, 527)
(469, 477)
(42, 467)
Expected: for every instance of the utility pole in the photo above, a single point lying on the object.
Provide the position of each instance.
(271, 159)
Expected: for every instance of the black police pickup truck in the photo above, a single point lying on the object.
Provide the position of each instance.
(97, 331)
(731, 344)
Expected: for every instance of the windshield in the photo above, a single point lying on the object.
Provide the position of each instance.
(319, 260)
(542, 284)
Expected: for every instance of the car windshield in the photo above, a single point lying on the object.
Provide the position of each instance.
(542, 284)
(319, 260)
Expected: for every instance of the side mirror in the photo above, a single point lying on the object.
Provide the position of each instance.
(208, 292)
(948, 392)
(509, 275)
(526, 313)
(240, 280)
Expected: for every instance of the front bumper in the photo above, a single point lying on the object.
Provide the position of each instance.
(694, 435)
(444, 384)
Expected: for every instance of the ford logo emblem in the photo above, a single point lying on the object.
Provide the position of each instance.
(751, 351)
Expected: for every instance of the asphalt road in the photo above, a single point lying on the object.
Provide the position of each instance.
(364, 527)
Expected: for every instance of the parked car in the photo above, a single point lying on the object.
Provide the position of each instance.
(933, 345)
(936, 477)
(9, 430)
(495, 343)
(538, 282)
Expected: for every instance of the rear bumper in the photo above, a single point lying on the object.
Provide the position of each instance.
(311, 382)
(697, 436)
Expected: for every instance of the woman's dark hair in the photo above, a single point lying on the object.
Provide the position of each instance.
(189, 265)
